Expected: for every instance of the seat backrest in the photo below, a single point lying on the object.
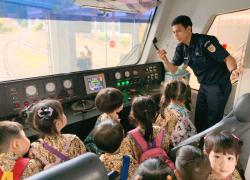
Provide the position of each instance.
(114, 175)
(86, 166)
(237, 122)
(247, 170)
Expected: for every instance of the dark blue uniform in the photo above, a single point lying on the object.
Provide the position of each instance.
(206, 56)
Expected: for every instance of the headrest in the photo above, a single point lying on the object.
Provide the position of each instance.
(242, 108)
(86, 166)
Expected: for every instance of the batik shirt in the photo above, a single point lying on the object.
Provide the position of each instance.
(8, 160)
(68, 144)
(176, 123)
(234, 176)
(114, 161)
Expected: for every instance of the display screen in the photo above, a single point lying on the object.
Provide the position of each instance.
(94, 83)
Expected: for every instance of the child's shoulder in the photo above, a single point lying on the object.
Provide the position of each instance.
(236, 175)
(70, 136)
(157, 129)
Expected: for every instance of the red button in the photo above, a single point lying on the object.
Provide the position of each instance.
(17, 105)
(26, 103)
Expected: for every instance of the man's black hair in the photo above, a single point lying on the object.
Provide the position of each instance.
(183, 20)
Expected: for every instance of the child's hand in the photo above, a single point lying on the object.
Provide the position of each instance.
(50, 165)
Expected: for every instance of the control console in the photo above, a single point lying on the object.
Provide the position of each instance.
(16, 95)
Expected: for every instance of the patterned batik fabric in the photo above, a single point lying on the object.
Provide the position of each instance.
(177, 123)
(68, 144)
(8, 160)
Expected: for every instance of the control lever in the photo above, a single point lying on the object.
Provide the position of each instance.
(154, 43)
(82, 105)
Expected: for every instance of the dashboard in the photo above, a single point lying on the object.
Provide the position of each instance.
(18, 94)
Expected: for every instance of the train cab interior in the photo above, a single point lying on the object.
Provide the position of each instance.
(71, 49)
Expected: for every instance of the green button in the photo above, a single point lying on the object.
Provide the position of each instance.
(123, 83)
(127, 82)
(118, 84)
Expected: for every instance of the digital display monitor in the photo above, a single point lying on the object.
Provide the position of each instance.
(94, 83)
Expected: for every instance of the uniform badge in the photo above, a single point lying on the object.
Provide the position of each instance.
(211, 48)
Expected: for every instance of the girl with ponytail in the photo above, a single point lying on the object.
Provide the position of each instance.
(145, 136)
(174, 113)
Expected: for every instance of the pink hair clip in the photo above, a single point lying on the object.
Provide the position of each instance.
(236, 137)
(48, 111)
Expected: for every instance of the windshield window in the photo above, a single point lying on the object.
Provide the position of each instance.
(44, 37)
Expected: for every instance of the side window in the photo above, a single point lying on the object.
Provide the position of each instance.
(232, 31)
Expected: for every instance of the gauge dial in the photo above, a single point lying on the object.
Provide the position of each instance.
(118, 75)
(67, 84)
(127, 74)
(31, 90)
(135, 73)
(50, 87)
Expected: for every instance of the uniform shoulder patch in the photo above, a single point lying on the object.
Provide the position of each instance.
(211, 48)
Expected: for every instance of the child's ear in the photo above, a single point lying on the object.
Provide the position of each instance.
(177, 174)
(58, 124)
(14, 145)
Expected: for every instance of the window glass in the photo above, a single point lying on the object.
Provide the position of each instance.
(43, 37)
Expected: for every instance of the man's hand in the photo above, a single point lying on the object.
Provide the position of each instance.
(235, 75)
(162, 54)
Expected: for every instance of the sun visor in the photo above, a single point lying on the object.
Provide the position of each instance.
(130, 6)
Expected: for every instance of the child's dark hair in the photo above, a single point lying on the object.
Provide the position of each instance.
(183, 20)
(143, 111)
(8, 131)
(192, 164)
(222, 142)
(108, 135)
(44, 115)
(154, 169)
(108, 99)
(175, 90)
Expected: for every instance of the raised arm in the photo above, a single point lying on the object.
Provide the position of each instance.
(232, 67)
(168, 65)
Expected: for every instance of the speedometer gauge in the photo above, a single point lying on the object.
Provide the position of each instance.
(67, 84)
(50, 87)
(31, 90)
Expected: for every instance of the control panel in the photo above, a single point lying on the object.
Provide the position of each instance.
(16, 95)
(137, 76)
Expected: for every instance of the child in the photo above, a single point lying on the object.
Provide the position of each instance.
(110, 102)
(108, 136)
(223, 149)
(48, 119)
(191, 164)
(13, 145)
(145, 136)
(154, 169)
(174, 116)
